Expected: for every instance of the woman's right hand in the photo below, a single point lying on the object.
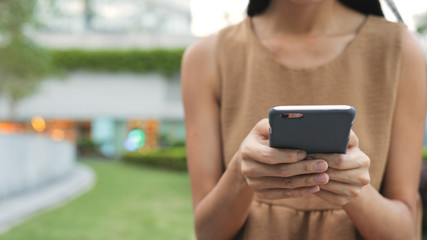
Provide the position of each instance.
(278, 173)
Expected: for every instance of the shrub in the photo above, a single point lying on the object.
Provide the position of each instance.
(87, 147)
(165, 61)
(174, 158)
(423, 188)
(423, 193)
(178, 144)
(425, 153)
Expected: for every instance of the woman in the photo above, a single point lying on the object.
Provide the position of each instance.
(305, 52)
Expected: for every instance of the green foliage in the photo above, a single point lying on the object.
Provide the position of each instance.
(22, 63)
(425, 153)
(165, 61)
(14, 15)
(86, 147)
(178, 144)
(174, 158)
(422, 25)
(22, 66)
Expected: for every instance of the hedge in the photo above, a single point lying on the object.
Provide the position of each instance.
(424, 154)
(165, 61)
(174, 158)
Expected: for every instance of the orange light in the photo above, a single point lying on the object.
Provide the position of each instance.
(58, 135)
(38, 124)
(10, 128)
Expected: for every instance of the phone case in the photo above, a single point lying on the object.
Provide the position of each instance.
(315, 129)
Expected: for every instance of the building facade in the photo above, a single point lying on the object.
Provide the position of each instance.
(101, 108)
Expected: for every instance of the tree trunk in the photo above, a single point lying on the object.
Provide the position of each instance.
(88, 14)
(12, 117)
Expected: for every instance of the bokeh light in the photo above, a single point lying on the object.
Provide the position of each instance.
(58, 135)
(38, 123)
(135, 140)
(11, 128)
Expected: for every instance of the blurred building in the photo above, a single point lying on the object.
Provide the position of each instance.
(114, 23)
(101, 108)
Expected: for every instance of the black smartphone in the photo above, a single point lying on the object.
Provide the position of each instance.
(314, 128)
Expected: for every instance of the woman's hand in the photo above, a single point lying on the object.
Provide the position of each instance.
(348, 173)
(278, 173)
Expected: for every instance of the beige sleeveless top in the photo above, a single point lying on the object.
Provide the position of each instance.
(365, 76)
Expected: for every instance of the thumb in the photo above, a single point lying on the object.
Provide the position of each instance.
(262, 128)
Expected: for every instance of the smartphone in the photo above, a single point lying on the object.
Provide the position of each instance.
(314, 129)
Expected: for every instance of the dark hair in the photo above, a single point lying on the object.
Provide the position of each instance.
(373, 7)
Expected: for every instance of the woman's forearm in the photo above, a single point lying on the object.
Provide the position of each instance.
(377, 217)
(223, 211)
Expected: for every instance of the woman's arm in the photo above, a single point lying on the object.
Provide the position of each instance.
(393, 214)
(221, 198)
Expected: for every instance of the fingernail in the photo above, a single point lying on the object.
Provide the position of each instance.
(321, 178)
(314, 189)
(301, 155)
(320, 166)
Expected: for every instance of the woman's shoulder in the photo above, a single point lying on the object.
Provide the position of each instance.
(407, 40)
(235, 31)
(200, 56)
(199, 67)
(203, 54)
(202, 49)
(380, 37)
(383, 21)
(207, 45)
(413, 59)
(379, 26)
(411, 46)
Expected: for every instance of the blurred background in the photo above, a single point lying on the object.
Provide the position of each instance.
(92, 138)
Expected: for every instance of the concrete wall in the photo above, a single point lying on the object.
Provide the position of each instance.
(29, 161)
(88, 95)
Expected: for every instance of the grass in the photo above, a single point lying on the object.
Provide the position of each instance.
(128, 202)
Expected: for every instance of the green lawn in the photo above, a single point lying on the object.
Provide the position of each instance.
(127, 202)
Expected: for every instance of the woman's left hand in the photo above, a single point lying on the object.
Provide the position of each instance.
(348, 173)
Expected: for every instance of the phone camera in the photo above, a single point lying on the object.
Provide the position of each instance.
(292, 115)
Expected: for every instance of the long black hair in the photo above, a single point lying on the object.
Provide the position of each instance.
(373, 7)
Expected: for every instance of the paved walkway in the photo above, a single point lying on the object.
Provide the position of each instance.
(19, 208)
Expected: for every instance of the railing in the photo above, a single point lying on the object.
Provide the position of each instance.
(28, 162)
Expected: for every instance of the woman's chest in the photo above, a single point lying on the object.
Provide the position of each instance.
(306, 52)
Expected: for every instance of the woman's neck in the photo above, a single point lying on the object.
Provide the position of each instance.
(288, 17)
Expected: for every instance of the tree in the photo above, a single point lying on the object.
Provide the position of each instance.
(422, 25)
(422, 29)
(88, 13)
(23, 64)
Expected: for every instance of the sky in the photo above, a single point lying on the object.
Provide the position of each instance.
(208, 15)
